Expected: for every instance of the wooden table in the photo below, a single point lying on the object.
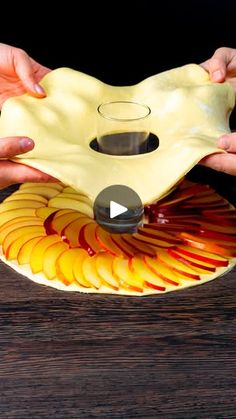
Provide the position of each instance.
(69, 355)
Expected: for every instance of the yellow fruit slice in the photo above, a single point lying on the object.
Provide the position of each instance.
(78, 271)
(18, 232)
(19, 196)
(72, 204)
(37, 254)
(44, 212)
(49, 185)
(90, 272)
(50, 257)
(151, 279)
(13, 205)
(15, 213)
(104, 263)
(7, 229)
(64, 265)
(23, 255)
(127, 278)
(44, 191)
(72, 231)
(15, 247)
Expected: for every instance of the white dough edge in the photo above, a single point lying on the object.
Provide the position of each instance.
(41, 279)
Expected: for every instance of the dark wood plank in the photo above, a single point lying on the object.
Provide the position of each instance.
(70, 355)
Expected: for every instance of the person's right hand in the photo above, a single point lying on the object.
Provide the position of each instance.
(222, 66)
(11, 172)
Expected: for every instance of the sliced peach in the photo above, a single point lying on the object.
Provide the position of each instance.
(72, 204)
(158, 234)
(87, 239)
(78, 197)
(20, 196)
(128, 251)
(106, 242)
(15, 213)
(104, 262)
(51, 217)
(70, 190)
(60, 222)
(45, 191)
(64, 265)
(152, 242)
(201, 268)
(178, 266)
(127, 279)
(150, 278)
(54, 185)
(50, 257)
(14, 248)
(202, 256)
(18, 232)
(37, 254)
(72, 231)
(23, 255)
(78, 271)
(6, 230)
(139, 246)
(13, 205)
(90, 272)
(162, 270)
(44, 212)
(203, 244)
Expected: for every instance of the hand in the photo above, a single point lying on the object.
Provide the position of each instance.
(11, 172)
(222, 66)
(19, 74)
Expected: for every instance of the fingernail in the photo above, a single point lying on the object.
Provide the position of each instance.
(224, 142)
(26, 144)
(39, 89)
(216, 75)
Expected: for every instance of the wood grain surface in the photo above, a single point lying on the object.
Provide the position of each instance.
(70, 355)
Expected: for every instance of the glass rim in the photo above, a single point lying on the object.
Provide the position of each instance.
(111, 118)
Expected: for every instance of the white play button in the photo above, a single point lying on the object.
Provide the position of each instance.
(116, 209)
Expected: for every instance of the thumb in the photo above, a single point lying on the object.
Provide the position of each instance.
(25, 71)
(12, 146)
(216, 68)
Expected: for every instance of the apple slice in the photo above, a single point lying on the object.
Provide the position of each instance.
(71, 232)
(127, 250)
(13, 205)
(18, 232)
(44, 212)
(78, 271)
(70, 190)
(20, 196)
(37, 254)
(45, 191)
(50, 257)
(157, 234)
(204, 244)
(87, 239)
(127, 279)
(60, 222)
(53, 216)
(90, 272)
(202, 255)
(104, 239)
(139, 247)
(54, 185)
(15, 246)
(164, 271)
(151, 241)
(78, 197)
(7, 229)
(104, 262)
(201, 268)
(22, 254)
(179, 266)
(72, 204)
(150, 278)
(15, 213)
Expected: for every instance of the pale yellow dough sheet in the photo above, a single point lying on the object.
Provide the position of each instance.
(188, 114)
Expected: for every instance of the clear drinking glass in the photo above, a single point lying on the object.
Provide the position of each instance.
(122, 128)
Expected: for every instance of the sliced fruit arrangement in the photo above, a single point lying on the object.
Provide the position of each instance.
(187, 238)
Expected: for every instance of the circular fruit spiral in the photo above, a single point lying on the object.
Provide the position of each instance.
(188, 237)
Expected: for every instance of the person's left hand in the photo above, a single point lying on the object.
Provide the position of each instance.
(19, 74)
